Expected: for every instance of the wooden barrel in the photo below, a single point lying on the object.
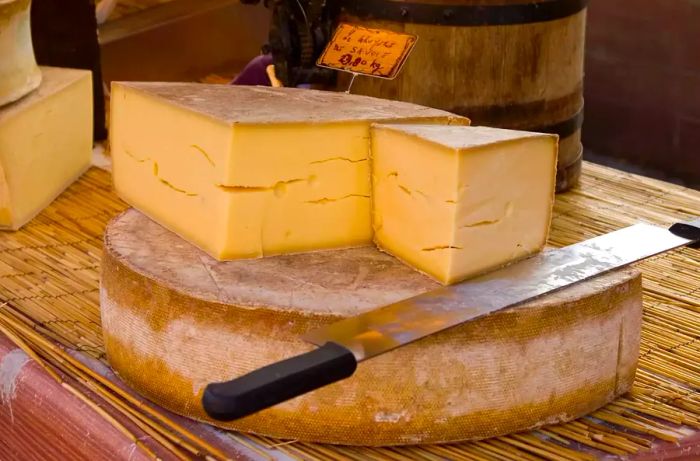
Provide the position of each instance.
(506, 63)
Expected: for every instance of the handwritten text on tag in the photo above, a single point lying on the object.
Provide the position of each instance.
(360, 50)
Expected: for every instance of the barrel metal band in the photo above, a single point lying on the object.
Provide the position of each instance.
(564, 128)
(464, 15)
(569, 175)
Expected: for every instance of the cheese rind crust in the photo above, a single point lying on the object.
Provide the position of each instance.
(174, 320)
(19, 73)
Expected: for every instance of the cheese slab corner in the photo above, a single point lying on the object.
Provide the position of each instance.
(175, 319)
(457, 201)
(245, 172)
(45, 143)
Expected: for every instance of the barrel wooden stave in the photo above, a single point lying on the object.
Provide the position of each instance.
(519, 76)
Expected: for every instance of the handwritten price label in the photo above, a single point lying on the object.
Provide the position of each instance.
(360, 50)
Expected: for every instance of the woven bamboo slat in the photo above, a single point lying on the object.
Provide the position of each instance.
(49, 276)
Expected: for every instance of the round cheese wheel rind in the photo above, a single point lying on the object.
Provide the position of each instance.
(19, 73)
(174, 320)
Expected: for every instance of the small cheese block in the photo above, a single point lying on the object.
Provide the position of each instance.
(175, 319)
(45, 144)
(454, 202)
(19, 73)
(244, 172)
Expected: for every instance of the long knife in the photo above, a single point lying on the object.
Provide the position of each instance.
(343, 344)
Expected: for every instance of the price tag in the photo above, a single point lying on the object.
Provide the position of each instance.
(374, 52)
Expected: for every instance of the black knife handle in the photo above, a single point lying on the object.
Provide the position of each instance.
(688, 230)
(278, 382)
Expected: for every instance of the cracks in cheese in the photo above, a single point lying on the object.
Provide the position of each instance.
(245, 173)
(169, 184)
(203, 152)
(155, 173)
(339, 158)
(454, 202)
(325, 200)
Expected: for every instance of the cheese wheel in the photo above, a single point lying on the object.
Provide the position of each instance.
(19, 73)
(175, 319)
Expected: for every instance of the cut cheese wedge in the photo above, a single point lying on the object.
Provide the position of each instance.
(456, 201)
(45, 143)
(174, 320)
(19, 73)
(244, 172)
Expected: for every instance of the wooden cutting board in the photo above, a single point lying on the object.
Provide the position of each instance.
(175, 319)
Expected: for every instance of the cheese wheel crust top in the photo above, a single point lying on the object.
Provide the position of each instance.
(175, 319)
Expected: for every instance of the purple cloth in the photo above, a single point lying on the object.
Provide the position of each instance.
(255, 72)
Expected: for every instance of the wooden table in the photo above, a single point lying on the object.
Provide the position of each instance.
(67, 404)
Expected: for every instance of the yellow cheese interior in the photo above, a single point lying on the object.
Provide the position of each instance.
(456, 212)
(246, 173)
(45, 144)
(242, 190)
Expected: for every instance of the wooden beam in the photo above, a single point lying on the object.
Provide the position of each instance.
(183, 40)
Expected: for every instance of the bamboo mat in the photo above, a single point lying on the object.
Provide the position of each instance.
(49, 275)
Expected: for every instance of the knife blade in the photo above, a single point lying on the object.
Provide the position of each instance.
(343, 344)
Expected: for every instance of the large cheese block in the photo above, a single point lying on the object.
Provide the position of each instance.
(456, 201)
(175, 319)
(19, 73)
(45, 143)
(245, 172)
